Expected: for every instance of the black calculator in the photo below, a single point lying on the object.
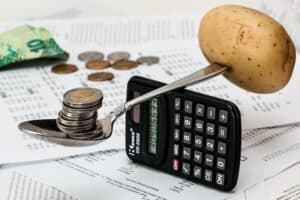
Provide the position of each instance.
(186, 134)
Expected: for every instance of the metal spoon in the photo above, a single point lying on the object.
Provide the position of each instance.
(47, 128)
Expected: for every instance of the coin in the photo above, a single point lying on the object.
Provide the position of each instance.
(74, 130)
(75, 125)
(82, 110)
(76, 116)
(97, 64)
(88, 135)
(83, 97)
(64, 68)
(118, 55)
(125, 65)
(73, 122)
(100, 76)
(149, 60)
(83, 136)
(90, 55)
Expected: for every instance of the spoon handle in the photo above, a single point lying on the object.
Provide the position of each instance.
(210, 71)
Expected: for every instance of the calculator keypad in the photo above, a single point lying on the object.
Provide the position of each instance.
(204, 142)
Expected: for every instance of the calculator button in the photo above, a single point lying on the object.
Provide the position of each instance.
(186, 168)
(210, 144)
(209, 160)
(177, 119)
(198, 142)
(222, 148)
(197, 172)
(175, 165)
(222, 132)
(176, 149)
(211, 113)
(223, 116)
(176, 134)
(187, 137)
(177, 103)
(188, 107)
(210, 129)
(208, 175)
(221, 163)
(197, 157)
(220, 179)
(187, 122)
(200, 109)
(199, 125)
(186, 153)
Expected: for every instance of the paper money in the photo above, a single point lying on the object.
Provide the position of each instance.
(26, 43)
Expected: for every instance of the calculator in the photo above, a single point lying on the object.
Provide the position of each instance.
(186, 134)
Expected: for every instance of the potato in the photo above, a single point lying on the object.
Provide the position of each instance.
(258, 50)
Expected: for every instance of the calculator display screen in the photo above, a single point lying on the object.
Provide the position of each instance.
(153, 126)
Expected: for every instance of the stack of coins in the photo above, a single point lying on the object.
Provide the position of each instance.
(79, 112)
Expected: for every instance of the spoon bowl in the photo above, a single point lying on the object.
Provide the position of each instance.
(47, 130)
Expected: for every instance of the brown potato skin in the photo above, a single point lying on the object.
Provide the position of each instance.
(258, 50)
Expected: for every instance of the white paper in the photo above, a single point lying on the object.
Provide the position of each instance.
(119, 31)
(284, 185)
(111, 175)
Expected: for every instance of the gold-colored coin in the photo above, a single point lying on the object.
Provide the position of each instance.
(125, 65)
(64, 68)
(82, 96)
(100, 76)
(97, 64)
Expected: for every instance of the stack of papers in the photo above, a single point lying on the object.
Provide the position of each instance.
(270, 138)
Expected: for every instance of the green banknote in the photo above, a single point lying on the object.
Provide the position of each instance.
(26, 43)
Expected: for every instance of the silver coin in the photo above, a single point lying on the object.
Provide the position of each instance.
(74, 126)
(76, 123)
(118, 55)
(148, 60)
(84, 137)
(79, 110)
(77, 129)
(74, 130)
(85, 134)
(83, 97)
(81, 137)
(76, 116)
(96, 104)
(90, 55)
(89, 134)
